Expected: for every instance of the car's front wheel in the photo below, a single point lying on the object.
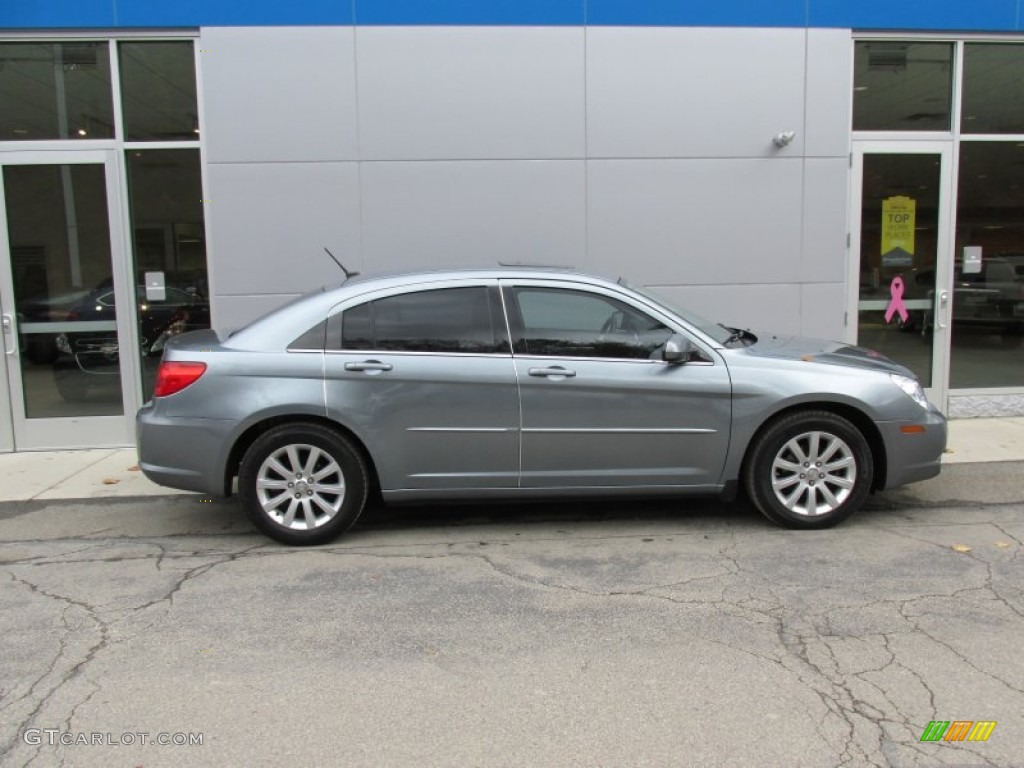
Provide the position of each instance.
(303, 484)
(810, 469)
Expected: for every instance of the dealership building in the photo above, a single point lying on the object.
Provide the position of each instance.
(830, 168)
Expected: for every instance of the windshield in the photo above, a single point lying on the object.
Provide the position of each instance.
(718, 332)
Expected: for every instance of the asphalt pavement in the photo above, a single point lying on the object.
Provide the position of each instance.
(162, 630)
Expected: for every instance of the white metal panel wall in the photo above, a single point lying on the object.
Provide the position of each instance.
(470, 93)
(638, 151)
(273, 220)
(475, 213)
(683, 92)
(281, 94)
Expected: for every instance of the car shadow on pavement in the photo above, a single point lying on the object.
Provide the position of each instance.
(701, 513)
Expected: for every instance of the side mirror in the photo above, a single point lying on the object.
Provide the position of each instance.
(677, 350)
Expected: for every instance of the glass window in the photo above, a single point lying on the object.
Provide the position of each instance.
(313, 339)
(158, 91)
(443, 320)
(987, 316)
(564, 323)
(167, 219)
(357, 327)
(901, 86)
(899, 239)
(993, 88)
(55, 91)
(59, 240)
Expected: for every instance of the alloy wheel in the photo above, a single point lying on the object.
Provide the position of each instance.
(813, 473)
(300, 487)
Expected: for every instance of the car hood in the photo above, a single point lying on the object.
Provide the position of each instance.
(825, 352)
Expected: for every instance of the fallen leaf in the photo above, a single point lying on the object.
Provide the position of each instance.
(133, 468)
(110, 481)
(1003, 544)
(961, 548)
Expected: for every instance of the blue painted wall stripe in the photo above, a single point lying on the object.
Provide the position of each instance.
(976, 15)
(698, 13)
(472, 12)
(992, 15)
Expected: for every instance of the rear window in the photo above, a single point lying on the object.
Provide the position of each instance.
(441, 320)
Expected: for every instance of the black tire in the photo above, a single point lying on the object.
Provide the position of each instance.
(777, 454)
(325, 497)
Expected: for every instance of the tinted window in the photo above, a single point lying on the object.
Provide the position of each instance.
(993, 88)
(563, 323)
(445, 320)
(55, 91)
(313, 339)
(158, 90)
(902, 86)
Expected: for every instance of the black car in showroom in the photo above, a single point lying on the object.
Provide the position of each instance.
(88, 361)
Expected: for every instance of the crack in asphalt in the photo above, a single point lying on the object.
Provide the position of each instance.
(74, 671)
(77, 669)
(858, 725)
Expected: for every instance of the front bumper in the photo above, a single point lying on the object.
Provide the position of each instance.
(913, 449)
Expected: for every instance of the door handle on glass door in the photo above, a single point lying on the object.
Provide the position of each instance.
(11, 348)
(943, 308)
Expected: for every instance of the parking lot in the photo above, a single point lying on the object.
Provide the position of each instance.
(655, 633)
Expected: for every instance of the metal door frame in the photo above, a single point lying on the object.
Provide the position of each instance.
(938, 392)
(78, 431)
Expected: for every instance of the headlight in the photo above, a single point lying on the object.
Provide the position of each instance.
(912, 387)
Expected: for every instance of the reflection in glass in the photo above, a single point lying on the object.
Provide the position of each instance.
(988, 297)
(61, 269)
(899, 241)
(55, 91)
(901, 86)
(158, 91)
(993, 88)
(165, 192)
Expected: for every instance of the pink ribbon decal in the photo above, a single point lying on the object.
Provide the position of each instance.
(896, 305)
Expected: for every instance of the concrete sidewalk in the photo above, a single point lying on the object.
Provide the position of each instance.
(114, 473)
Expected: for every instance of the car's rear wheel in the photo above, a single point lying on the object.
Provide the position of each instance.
(810, 469)
(303, 484)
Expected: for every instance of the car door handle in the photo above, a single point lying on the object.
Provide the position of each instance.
(368, 365)
(556, 370)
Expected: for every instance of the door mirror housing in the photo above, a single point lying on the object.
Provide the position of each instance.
(677, 350)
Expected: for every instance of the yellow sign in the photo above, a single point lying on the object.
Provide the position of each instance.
(899, 215)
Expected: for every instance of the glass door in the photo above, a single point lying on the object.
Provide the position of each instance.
(900, 256)
(62, 265)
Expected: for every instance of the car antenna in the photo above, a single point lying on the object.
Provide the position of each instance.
(340, 265)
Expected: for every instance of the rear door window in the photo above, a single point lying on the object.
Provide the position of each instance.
(445, 320)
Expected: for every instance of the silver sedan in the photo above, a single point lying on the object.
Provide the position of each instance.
(524, 384)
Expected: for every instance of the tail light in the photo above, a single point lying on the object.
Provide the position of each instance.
(174, 376)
